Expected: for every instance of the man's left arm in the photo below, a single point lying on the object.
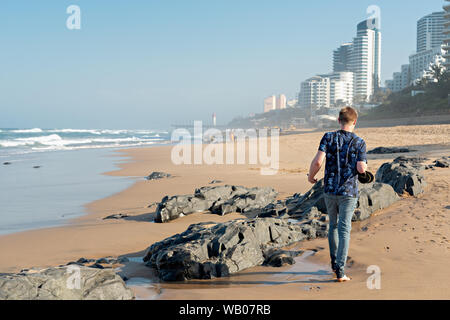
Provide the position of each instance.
(361, 159)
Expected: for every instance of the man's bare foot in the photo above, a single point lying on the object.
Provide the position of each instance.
(343, 279)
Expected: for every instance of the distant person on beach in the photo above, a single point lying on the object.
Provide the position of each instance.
(346, 156)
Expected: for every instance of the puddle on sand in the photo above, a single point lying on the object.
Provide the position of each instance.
(309, 275)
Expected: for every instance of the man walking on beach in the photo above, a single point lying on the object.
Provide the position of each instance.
(346, 157)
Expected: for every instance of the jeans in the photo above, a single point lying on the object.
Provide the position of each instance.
(340, 211)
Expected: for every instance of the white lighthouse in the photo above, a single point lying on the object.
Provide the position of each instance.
(214, 119)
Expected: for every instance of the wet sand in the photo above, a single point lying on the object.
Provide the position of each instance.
(408, 241)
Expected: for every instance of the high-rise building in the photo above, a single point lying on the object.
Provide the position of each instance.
(366, 59)
(446, 37)
(315, 93)
(281, 102)
(342, 58)
(429, 31)
(270, 103)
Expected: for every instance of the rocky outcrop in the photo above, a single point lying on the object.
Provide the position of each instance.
(372, 198)
(72, 282)
(219, 200)
(311, 205)
(158, 175)
(383, 150)
(443, 162)
(404, 175)
(208, 250)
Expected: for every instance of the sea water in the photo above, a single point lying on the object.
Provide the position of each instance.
(53, 173)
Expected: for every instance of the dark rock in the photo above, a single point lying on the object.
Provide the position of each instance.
(102, 261)
(123, 260)
(219, 200)
(383, 150)
(61, 283)
(373, 198)
(6, 163)
(36, 167)
(204, 251)
(215, 181)
(97, 266)
(83, 260)
(279, 258)
(444, 162)
(403, 174)
(311, 206)
(116, 216)
(158, 175)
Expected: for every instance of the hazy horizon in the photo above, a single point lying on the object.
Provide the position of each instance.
(149, 64)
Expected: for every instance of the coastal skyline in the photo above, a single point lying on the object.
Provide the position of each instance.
(147, 65)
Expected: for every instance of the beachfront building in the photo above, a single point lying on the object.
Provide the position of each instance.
(430, 31)
(430, 51)
(421, 62)
(327, 90)
(281, 102)
(341, 89)
(446, 36)
(315, 93)
(366, 59)
(400, 80)
(270, 103)
(342, 57)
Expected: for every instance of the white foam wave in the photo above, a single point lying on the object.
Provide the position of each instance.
(35, 130)
(93, 131)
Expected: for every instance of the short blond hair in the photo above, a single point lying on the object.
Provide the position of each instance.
(347, 115)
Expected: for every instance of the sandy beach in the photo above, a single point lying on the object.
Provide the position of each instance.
(409, 241)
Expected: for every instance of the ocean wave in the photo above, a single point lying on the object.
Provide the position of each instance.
(113, 145)
(35, 130)
(92, 131)
(55, 140)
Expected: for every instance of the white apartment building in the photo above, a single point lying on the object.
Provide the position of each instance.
(341, 88)
(429, 31)
(446, 32)
(366, 59)
(281, 102)
(315, 93)
(270, 103)
(429, 52)
(420, 63)
(327, 90)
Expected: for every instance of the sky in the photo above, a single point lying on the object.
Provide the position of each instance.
(149, 64)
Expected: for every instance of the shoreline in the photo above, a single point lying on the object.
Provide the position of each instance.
(91, 237)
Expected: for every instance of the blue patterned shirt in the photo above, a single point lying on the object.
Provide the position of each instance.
(342, 179)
